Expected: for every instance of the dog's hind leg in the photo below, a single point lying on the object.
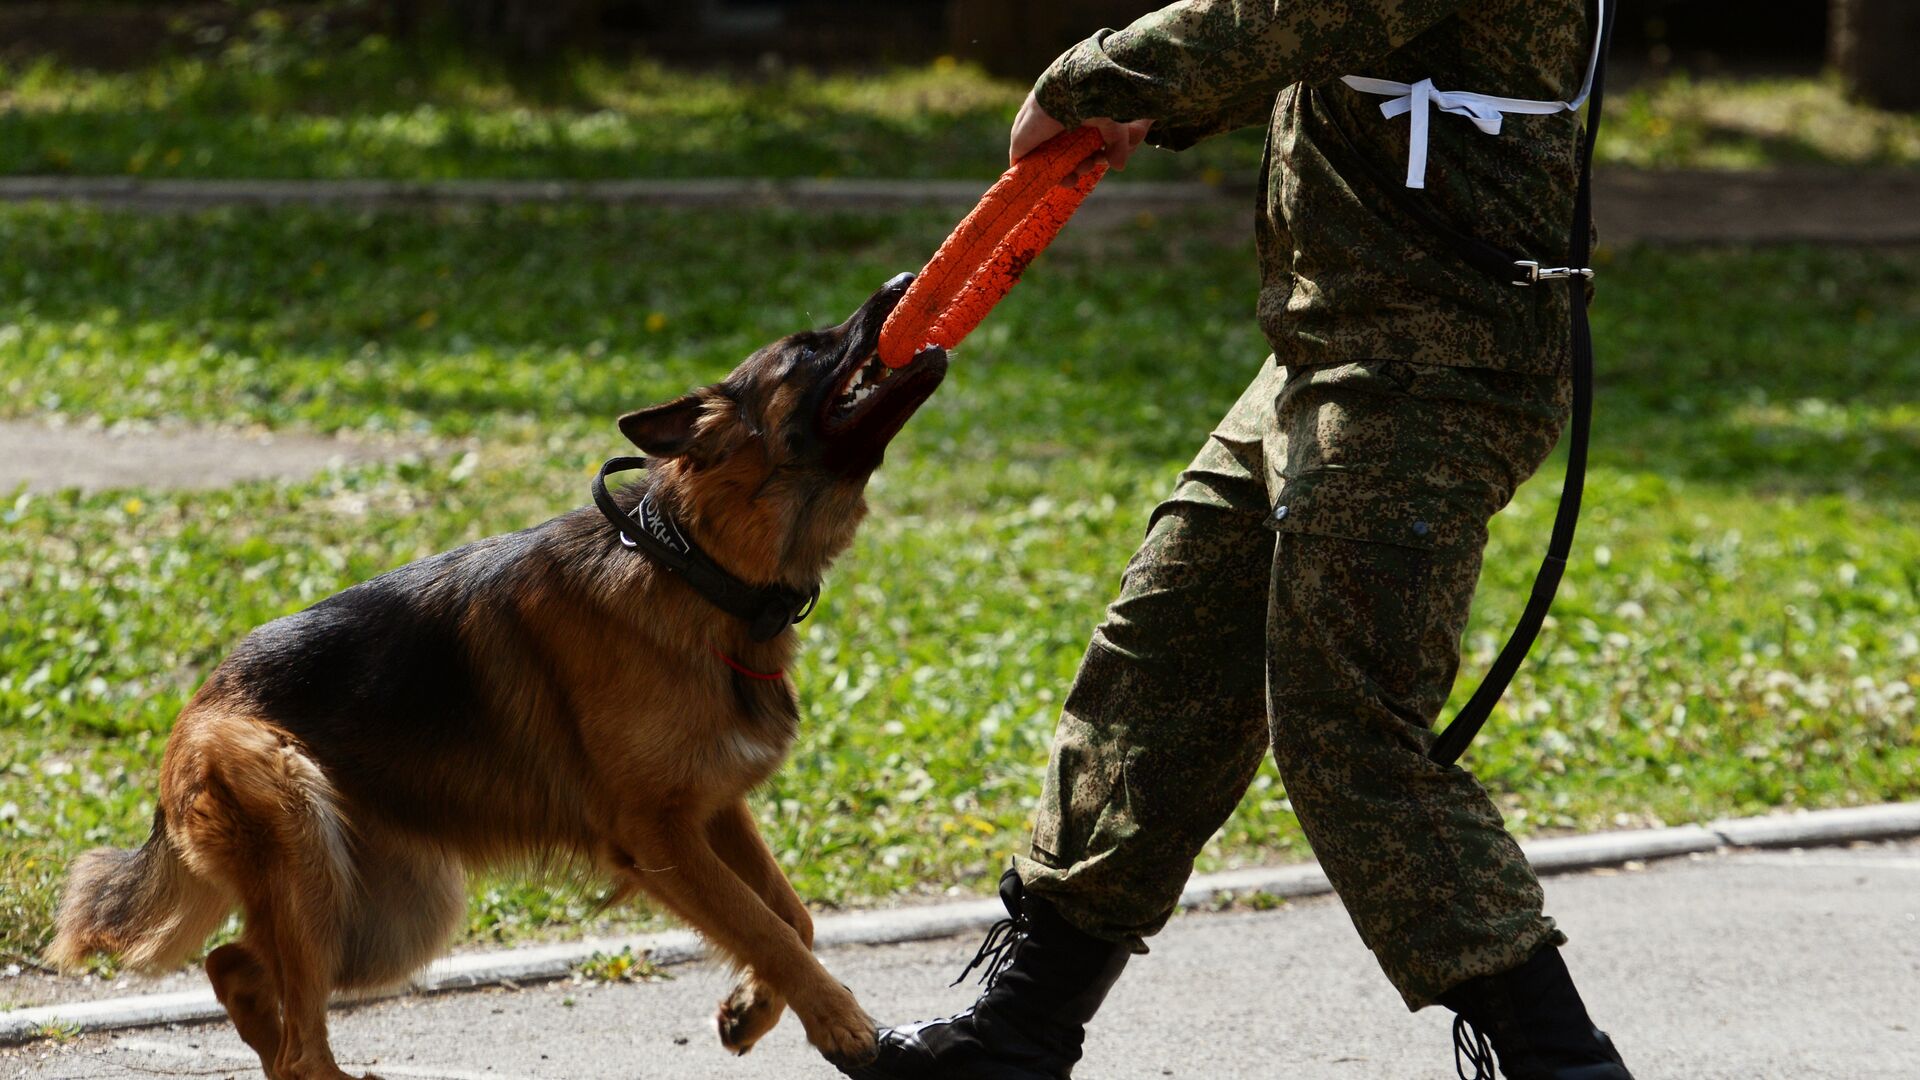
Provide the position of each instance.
(261, 818)
(246, 990)
(755, 1005)
(302, 958)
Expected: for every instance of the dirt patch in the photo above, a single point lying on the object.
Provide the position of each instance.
(50, 458)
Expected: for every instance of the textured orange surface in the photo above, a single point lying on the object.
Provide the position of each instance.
(986, 253)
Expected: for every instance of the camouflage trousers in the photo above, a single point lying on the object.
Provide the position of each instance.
(1306, 588)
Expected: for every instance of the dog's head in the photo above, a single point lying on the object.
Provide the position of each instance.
(769, 466)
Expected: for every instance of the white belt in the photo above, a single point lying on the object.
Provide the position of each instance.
(1484, 110)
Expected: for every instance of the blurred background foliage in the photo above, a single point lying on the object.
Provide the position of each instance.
(1009, 37)
(411, 90)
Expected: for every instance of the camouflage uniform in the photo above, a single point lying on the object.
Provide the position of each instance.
(1308, 582)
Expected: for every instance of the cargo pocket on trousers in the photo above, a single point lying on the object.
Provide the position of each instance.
(1085, 809)
(1366, 576)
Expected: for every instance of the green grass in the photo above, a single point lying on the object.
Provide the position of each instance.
(275, 103)
(622, 966)
(1722, 123)
(1739, 633)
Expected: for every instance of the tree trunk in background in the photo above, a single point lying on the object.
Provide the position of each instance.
(1875, 44)
(1019, 38)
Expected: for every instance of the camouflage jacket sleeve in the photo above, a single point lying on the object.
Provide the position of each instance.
(1201, 67)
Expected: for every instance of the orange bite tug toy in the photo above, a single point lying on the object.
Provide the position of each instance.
(985, 254)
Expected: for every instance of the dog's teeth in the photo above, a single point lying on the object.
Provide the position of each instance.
(862, 384)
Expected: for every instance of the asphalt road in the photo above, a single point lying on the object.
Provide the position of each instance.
(1748, 965)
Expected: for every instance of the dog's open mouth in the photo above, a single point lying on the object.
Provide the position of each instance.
(870, 402)
(873, 401)
(860, 389)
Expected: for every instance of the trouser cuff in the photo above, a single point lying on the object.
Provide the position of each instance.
(1435, 955)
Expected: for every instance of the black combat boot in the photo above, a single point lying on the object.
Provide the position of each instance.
(1045, 979)
(1535, 1021)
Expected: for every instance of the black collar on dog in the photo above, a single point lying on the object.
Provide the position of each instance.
(766, 609)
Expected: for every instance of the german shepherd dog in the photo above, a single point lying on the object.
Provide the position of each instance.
(547, 695)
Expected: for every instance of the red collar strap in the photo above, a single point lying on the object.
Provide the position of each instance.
(744, 669)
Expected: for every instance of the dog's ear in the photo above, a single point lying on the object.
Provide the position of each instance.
(666, 430)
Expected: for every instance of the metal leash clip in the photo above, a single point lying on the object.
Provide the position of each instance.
(1532, 273)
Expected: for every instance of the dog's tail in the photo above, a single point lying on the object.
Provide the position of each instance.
(143, 905)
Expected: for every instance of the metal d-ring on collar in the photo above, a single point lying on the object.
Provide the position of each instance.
(766, 609)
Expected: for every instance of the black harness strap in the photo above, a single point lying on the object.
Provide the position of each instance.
(1505, 267)
(766, 609)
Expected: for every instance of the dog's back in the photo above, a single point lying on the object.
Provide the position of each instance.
(420, 690)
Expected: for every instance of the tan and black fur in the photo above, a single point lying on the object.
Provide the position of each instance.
(545, 695)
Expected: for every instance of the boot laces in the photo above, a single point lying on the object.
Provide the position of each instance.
(996, 952)
(1470, 1047)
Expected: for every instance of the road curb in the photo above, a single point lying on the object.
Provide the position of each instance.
(1789, 204)
(1886, 821)
(545, 962)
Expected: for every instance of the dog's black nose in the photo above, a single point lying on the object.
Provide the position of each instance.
(900, 280)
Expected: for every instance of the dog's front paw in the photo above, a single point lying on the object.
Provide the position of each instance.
(840, 1029)
(748, 1013)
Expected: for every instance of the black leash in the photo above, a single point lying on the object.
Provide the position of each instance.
(1473, 715)
(1503, 266)
(766, 609)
